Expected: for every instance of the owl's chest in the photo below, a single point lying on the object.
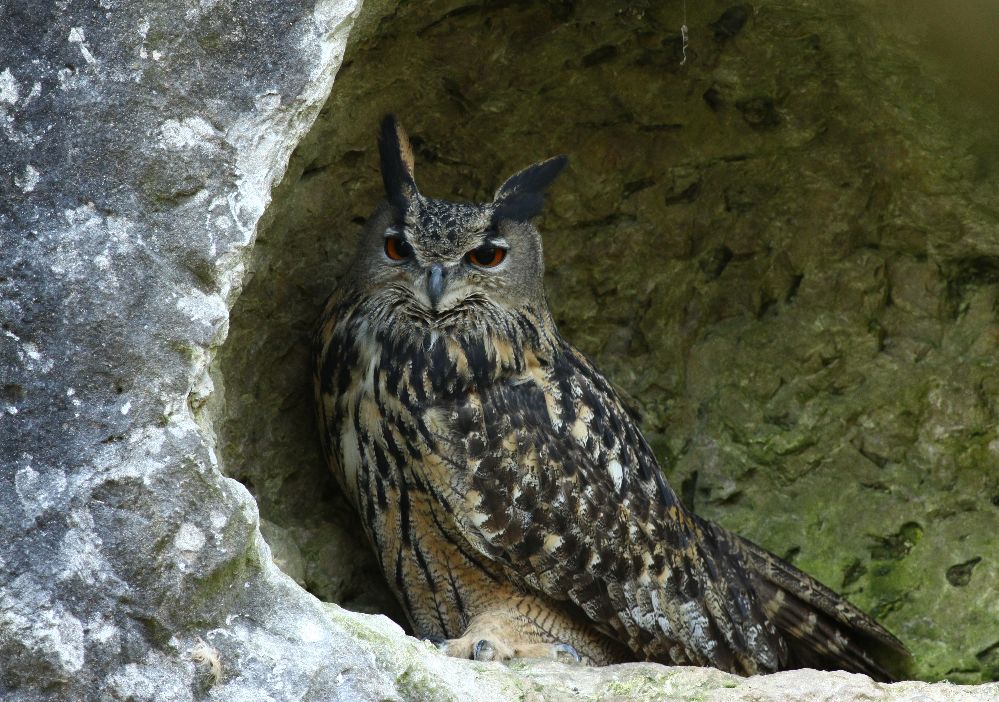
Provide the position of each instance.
(381, 411)
(400, 452)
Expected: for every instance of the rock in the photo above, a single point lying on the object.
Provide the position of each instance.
(142, 141)
(284, 551)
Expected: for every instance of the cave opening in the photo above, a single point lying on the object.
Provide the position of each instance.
(737, 245)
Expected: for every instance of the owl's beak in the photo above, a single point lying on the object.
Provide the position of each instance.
(435, 284)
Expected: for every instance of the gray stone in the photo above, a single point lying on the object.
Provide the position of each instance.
(141, 141)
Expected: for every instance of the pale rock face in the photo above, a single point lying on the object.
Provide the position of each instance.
(140, 142)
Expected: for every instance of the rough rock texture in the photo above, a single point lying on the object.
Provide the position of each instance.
(140, 141)
(785, 251)
(139, 144)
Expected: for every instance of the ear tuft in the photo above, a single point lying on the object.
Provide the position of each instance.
(396, 164)
(522, 196)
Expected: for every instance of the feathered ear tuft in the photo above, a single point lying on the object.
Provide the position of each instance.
(522, 196)
(396, 164)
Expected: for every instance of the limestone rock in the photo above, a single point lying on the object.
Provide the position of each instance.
(140, 143)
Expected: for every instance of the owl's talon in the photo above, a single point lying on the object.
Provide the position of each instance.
(439, 642)
(566, 654)
(484, 651)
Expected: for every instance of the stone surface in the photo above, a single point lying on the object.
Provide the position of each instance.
(140, 142)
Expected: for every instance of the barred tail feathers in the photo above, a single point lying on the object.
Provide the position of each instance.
(822, 629)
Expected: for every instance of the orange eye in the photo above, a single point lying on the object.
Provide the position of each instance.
(397, 248)
(487, 256)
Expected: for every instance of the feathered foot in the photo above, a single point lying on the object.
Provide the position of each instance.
(500, 636)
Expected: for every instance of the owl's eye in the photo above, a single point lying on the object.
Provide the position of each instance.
(487, 256)
(397, 248)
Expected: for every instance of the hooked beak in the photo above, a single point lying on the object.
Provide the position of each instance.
(435, 284)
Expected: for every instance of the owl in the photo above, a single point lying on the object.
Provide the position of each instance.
(513, 504)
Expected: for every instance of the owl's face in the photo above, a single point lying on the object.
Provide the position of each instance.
(444, 264)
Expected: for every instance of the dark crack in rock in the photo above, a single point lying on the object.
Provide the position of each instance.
(960, 575)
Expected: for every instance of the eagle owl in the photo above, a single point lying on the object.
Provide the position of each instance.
(514, 506)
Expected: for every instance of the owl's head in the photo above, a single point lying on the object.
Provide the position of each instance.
(447, 263)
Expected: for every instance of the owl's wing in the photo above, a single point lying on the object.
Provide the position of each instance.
(555, 482)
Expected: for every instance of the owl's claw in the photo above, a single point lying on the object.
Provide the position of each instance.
(503, 636)
(439, 642)
(486, 650)
(566, 654)
(483, 650)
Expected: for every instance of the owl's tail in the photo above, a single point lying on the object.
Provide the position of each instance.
(822, 629)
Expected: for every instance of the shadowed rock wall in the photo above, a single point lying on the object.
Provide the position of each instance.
(785, 251)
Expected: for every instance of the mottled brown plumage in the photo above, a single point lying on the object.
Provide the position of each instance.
(513, 504)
